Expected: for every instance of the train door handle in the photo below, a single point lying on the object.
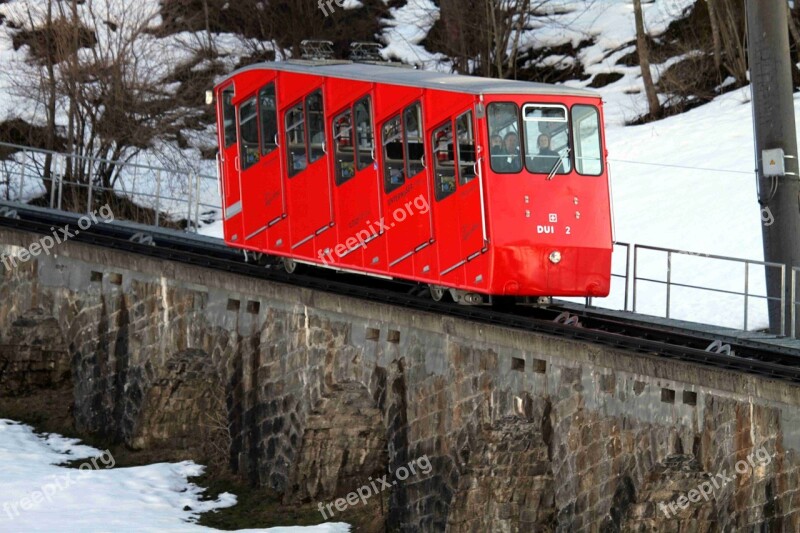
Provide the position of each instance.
(276, 140)
(236, 164)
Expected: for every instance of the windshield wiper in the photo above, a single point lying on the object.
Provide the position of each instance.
(558, 164)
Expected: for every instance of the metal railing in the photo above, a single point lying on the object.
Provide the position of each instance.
(746, 293)
(625, 277)
(794, 302)
(171, 196)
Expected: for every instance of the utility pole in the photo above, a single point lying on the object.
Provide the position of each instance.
(774, 122)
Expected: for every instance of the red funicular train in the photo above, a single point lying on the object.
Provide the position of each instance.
(473, 186)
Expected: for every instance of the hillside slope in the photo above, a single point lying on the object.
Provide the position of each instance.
(709, 207)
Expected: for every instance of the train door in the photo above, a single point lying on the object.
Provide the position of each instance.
(445, 180)
(229, 166)
(357, 195)
(457, 189)
(260, 164)
(406, 192)
(309, 187)
(472, 201)
(470, 188)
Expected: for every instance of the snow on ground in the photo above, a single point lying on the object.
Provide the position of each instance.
(407, 28)
(40, 495)
(709, 207)
(687, 183)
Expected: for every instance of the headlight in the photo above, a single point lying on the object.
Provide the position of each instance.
(555, 257)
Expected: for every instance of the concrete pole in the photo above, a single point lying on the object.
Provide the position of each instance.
(774, 122)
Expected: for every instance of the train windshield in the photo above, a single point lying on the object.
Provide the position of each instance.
(588, 147)
(547, 142)
(545, 139)
(504, 148)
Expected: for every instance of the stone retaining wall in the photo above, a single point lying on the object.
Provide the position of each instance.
(312, 394)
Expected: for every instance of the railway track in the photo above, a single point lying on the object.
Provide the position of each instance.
(566, 321)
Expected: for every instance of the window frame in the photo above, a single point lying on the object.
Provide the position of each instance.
(457, 147)
(436, 188)
(309, 136)
(245, 144)
(389, 187)
(291, 171)
(338, 175)
(235, 121)
(571, 144)
(407, 161)
(599, 139)
(520, 136)
(264, 141)
(368, 102)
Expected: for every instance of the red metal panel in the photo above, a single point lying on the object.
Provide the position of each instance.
(229, 176)
(407, 214)
(527, 216)
(360, 243)
(340, 94)
(308, 192)
(458, 217)
(262, 187)
(532, 217)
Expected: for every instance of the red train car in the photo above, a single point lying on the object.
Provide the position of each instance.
(473, 186)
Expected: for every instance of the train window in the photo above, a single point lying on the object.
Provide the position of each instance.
(229, 116)
(316, 126)
(547, 138)
(393, 154)
(415, 145)
(248, 133)
(268, 112)
(296, 140)
(586, 132)
(504, 135)
(444, 162)
(365, 136)
(344, 147)
(466, 148)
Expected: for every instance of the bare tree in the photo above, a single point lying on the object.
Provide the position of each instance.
(730, 36)
(715, 33)
(277, 27)
(644, 61)
(483, 36)
(99, 65)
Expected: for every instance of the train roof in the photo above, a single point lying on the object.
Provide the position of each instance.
(409, 77)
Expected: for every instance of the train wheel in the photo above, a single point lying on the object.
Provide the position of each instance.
(437, 293)
(289, 265)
